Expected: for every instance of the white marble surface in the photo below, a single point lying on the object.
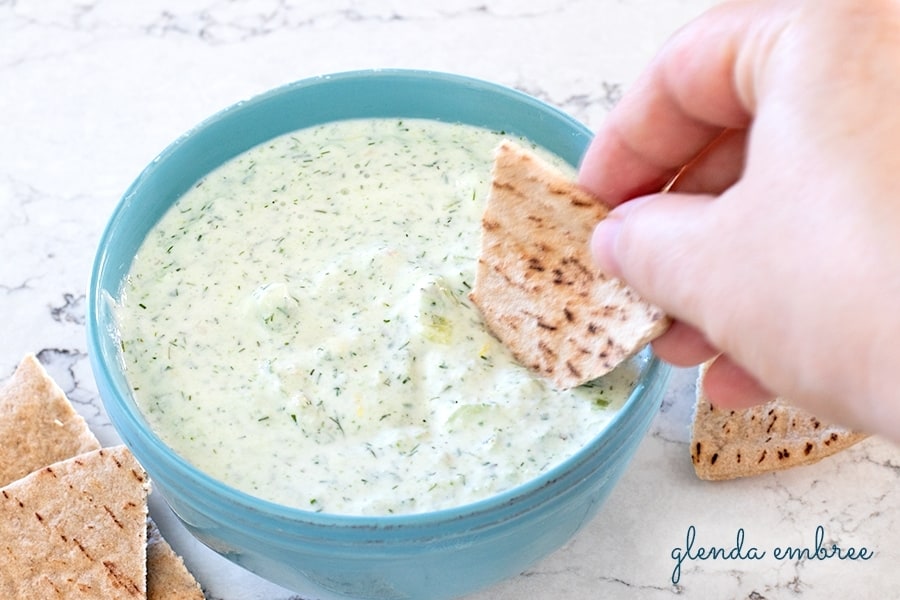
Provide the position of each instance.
(91, 90)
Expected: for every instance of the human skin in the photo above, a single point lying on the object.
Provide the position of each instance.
(777, 249)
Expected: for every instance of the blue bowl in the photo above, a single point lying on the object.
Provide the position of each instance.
(442, 554)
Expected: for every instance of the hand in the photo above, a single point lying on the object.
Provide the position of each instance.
(778, 249)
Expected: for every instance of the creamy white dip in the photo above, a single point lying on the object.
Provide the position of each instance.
(298, 326)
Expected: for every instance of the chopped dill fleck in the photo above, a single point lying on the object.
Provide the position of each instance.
(337, 422)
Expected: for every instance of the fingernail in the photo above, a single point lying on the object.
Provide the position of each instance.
(603, 245)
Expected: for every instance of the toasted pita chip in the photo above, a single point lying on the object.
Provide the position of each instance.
(536, 285)
(76, 529)
(167, 576)
(38, 425)
(727, 444)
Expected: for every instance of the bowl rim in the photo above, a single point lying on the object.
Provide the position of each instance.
(123, 409)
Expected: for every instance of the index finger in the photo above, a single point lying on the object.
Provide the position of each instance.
(699, 85)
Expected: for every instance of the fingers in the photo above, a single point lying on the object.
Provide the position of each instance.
(696, 88)
(713, 171)
(683, 346)
(727, 385)
(658, 244)
(655, 243)
(717, 168)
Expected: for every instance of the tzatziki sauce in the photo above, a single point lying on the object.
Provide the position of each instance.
(298, 326)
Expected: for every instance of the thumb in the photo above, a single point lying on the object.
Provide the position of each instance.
(656, 245)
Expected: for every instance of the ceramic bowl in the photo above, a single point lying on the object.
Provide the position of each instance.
(442, 554)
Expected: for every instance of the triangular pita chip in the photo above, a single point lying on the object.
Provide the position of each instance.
(536, 285)
(167, 576)
(727, 444)
(76, 529)
(38, 427)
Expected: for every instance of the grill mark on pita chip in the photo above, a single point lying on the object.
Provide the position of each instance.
(122, 579)
(112, 515)
(778, 435)
(83, 549)
(535, 284)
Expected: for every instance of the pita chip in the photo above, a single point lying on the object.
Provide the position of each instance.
(38, 425)
(727, 444)
(167, 576)
(76, 529)
(536, 285)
